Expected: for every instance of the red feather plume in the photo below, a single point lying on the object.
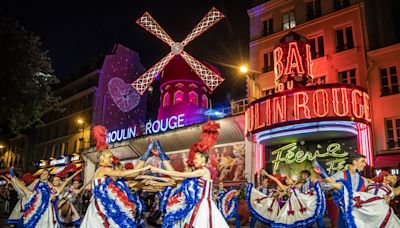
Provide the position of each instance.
(28, 178)
(208, 139)
(99, 136)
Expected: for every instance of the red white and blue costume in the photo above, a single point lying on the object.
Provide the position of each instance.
(366, 209)
(227, 203)
(191, 205)
(112, 205)
(68, 215)
(301, 209)
(38, 210)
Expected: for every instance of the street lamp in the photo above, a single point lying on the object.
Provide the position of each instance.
(82, 123)
(250, 80)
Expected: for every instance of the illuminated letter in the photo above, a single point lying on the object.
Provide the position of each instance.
(268, 112)
(120, 134)
(324, 99)
(309, 61)
(278, 65)
(366, 107)
(165, 123)
(148, 127)
(249, 120)
(357, 108)
(344, 101)
(257, 117)
(293, 54)
(181, 120)
(303, 104)
(279, 109)
(154, 128)
(172, 125)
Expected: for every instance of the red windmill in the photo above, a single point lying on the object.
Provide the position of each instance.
(208, 76)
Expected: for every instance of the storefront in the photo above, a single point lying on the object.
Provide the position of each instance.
(227, 159)
(302, 122)
(56, 166)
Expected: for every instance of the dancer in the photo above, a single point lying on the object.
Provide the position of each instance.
(67, 213)
(15, 217)
(301, 209)
(357, 207)
(112, 204)
(191, 204)
(39, 209)
(227, 203)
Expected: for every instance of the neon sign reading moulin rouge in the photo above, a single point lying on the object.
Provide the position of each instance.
(151, 128)
(335, 101)
(291, 153)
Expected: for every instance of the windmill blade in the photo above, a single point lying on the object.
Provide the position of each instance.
(212, 17)
(148, 23)
(211, 79)
(143, 82)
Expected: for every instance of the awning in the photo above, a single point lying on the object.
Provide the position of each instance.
(387, 161)
(232, 131)
(57, 169)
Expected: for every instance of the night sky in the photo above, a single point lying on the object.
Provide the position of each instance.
(76, 32)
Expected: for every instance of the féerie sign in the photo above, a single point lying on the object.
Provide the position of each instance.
(292, 153)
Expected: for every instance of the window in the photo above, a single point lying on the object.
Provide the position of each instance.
(392, 133)
(65, 148)
(55, 151)
(340, 4)
(317, 47)
(268, 92)
(76, 146)
(348, 76)
(193, 98)
(344, 39)
(288, 20)
(166, 100)
(268, 62)
(178, 97)
(313, 9)
(389, 81)
(319, 80)
(204, 101)
(268, 28)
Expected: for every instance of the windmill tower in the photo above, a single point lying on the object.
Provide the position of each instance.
(185, 81)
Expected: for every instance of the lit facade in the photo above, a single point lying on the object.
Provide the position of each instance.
(339, 39)
(383, 76)
(68, 132)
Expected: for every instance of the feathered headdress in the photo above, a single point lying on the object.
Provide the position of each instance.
(380, 177)
(99, 136)
(28, 178)
(69, 168)
(208, 139)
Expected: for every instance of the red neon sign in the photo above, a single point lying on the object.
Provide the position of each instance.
(310, 104)
(292, 61)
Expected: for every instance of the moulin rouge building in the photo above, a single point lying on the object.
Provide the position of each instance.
(321, 86)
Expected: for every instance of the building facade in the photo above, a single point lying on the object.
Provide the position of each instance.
(339, 34)
(67, 131)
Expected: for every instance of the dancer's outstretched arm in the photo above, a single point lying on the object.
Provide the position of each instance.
(9, 181)
(196, 173)
(282, 186)
(124, 173)
(21, 186)
(68, 180)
